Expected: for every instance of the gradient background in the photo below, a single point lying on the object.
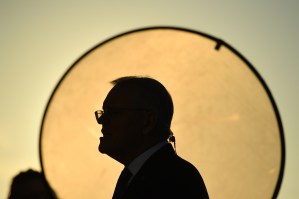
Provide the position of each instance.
(41, 40)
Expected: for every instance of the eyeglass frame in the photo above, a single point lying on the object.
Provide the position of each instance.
(101, 113)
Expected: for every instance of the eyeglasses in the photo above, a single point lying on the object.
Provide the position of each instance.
(111, 111)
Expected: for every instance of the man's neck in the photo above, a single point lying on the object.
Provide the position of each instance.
(137, 163)
(128, 157)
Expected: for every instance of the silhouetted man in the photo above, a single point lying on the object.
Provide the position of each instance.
(136, 120)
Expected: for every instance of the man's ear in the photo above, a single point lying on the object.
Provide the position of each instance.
(150, 122)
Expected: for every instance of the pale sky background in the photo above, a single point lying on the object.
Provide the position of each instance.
(41, 40)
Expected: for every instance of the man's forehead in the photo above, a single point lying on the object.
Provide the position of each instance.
(123, 96)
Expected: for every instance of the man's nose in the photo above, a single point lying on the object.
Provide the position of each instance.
(102, 119)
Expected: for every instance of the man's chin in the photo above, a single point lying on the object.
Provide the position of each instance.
(101, 149)
(104, 146)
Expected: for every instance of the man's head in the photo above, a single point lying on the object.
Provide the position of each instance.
(137, 114)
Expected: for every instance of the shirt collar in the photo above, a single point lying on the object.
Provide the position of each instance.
(137, 163)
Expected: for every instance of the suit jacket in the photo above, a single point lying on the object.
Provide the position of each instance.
(166, 175)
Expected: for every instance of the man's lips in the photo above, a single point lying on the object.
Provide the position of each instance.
(104, 133)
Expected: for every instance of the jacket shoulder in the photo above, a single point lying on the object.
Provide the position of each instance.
(166, 175)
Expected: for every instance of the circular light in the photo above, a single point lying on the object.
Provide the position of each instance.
(226, 122)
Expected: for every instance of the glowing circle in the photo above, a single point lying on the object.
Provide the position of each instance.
(226, 122)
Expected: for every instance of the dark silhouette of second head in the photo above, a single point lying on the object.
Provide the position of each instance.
(30, 185)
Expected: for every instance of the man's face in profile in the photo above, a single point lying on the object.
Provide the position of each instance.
(121, 125)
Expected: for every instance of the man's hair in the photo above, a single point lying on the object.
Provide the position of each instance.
(155, 96)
